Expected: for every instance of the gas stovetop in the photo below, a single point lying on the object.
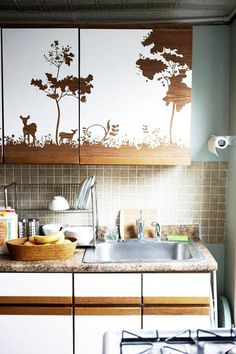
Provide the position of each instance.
(200, 341)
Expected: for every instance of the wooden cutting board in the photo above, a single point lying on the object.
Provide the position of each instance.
(128, 219)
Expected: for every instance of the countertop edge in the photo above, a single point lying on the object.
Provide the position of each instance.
(75, 265)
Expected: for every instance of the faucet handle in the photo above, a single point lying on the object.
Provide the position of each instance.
(157, 227)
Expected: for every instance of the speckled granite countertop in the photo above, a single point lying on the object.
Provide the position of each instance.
(75, 264)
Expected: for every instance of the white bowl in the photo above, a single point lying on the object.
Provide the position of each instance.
(49, 228)
(58, 203)
(84, 234)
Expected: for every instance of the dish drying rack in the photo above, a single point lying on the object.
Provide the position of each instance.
(36, 197)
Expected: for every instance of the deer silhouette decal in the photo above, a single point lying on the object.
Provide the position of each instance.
(67, 136)
(28, 129)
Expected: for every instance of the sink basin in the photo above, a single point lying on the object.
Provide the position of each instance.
(142, 251)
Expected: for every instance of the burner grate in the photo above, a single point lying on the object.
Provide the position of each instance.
(200, 341)
(213, 336)
(148, 342)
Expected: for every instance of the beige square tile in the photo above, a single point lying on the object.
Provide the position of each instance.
(183, 194)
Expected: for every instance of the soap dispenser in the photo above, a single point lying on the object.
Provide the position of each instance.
(140, 226)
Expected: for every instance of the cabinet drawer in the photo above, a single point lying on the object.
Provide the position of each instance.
(107, 288)
(187, 288)
(35, 288)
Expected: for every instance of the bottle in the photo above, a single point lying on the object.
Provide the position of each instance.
(8, 227)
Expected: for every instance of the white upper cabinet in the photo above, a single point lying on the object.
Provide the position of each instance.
(41, 95)
(139, 107)
(97, 96)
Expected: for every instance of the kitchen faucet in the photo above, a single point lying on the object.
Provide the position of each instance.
(140, 226)
(157, 230)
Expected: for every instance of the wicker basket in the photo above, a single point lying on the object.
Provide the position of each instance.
(19, 252)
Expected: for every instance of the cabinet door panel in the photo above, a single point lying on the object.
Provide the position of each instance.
(91, 327)
(36, 334)
(40, 95)
(139, 110)
(177, 301)
(176, 322)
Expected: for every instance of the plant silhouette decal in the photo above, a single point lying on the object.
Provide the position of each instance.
(109, 132)
(168, 63)
(57, 88)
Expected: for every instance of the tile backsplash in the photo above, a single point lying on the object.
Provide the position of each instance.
(194, 194)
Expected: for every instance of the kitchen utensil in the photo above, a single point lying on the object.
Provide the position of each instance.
(23, 228)
(58, 203)
(19, 252)
(33, 227)
(28, 227)
(84, 234)
(49, 228)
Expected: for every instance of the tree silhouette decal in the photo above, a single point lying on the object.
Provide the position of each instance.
(57, 88)
(169, 62)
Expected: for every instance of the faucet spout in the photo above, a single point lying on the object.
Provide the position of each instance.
(157, 230)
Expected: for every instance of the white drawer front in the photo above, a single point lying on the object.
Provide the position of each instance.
(108, 285)
(35, 284)
(177, 284)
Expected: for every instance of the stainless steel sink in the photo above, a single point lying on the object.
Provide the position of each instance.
(142, 251)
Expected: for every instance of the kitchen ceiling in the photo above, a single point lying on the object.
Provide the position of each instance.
(117, 11)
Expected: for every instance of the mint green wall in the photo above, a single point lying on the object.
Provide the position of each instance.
(210, 105)
(230, 259)
(210, 91)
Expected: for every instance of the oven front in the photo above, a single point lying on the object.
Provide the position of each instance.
(200, 341)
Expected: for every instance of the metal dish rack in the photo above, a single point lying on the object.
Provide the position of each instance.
(30, 198)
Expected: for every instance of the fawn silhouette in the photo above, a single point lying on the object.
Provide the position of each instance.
(28, 129)
(68, 136)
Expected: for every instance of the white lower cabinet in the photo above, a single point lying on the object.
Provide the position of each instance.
(55, 313)
(37, 334)
(92, 323)
(105, 302)
(36, 314)
(177, 301)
